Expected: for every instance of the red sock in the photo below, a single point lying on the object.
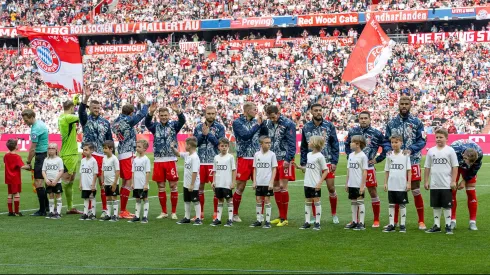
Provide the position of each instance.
(419, 204)
(313, 209)
(455, 204)
(397, 209)
(89, 204)
(9, 202)
(262, 207)
(376, 208)
(237, 199)
(104, 200)
(472, 204)
(124, 198)
(278, 197)
(285, 204)
(201, 200)
(162, 196)
(215, 204)
(174, 198)
(17, 204)
(333, 203)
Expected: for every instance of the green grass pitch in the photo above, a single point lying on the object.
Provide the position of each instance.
(37, 245)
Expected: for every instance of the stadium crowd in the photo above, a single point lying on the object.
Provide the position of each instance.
(58, 12)
(448, 82)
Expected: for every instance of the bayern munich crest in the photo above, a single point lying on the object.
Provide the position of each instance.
(373, 57)
(46, 58)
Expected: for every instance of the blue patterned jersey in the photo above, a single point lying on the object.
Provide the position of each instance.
(95, 129)
(328, 132)
(410, 129)
(459, 147)
(164, 135)
(207, 146)
(374, 140)
(123, 128)
(283, 138)
(247, 133)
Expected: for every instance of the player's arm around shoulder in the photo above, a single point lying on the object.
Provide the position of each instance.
(428, 165)
(233, 171)
(387, 173)
(364, 167)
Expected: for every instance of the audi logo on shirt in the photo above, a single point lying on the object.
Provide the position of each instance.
(439, 161)
(187, 166)
(139, 168)
(107, 168)
(52, 167)
(310, 166)
(354, 165)
(86, 171)
(221, 167)
(397, 166)
(262, 165)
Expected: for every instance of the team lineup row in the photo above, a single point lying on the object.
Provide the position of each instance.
(247, 130)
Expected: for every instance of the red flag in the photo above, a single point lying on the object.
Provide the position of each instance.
(58, 59)
(369, 57)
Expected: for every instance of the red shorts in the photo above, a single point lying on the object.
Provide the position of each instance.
(331, 174)
(461, 172)
(99, 160)
(206, 173)
(416, 173)
(126, 168)
(371, 178)
(285, 173)
(245, 169)
(165, 171)
(14, 188)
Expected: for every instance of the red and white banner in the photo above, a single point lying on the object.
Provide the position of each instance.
(58, 59)
(462, 10)
(482, 13)
(469, 36)
(252, 22)
(369, 57)
(189, 46)
(27, 52)
(188, 25)
(115, 49)
(110, 6)
(274, 43)
(334, 19)
(399, 16)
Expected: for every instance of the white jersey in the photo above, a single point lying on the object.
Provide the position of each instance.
(397, 165)
(52, 167)
(441, 161)
(223, 167)
(263, 164)
(191, 165)
(356, 165)
(109, 167)
(88, 169)
(141, 166)
(315, 166)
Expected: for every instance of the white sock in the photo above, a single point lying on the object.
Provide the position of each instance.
(258, 211)
(403, 214)
(137, 210)
(447, 216)
(268, 212)
(51, 205)
(318, 207)
(307, 212)
(59, 205)
(362, 211)
(110, 207)
(354, 211)
(230, 210)
(85, 206)
(115, 208)
(187, 207)
(220, 211)
(94, 204)
(391, 211)
(146, 207)
(197, 207)
(437, 216)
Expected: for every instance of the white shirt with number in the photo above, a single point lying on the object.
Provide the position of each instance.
(191, 165)
(88, 169)
(223, 167)
(52, 167)
(141, 166)
(356, 165)
(397, 165)
(263, 164)
(441, 163)
(109, 167)
(315, 166)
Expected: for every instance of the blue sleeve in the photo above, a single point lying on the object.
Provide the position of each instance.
(334, 144)
(387, 143)
(291, 141)
(420, 142)
(82, 114)
(135, 119)
(303, 148)
(180, 123)
(199, 136)
(242, 132)
(215, 139)
(381, 156)
(150, 125)
(347, 145)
